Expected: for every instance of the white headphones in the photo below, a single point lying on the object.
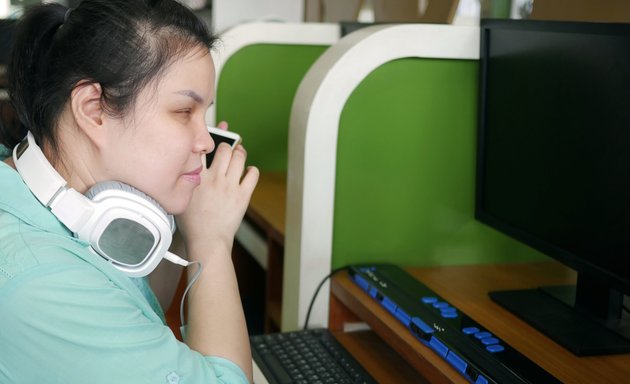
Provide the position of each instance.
(121, 224)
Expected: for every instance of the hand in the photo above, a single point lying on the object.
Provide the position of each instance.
(219, 203)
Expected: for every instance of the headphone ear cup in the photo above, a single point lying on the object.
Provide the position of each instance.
(128, 228)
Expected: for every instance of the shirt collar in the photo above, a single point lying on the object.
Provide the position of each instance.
(4, 152)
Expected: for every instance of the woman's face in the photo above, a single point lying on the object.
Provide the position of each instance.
(158, 148)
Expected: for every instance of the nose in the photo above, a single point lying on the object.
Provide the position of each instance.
(203, 142)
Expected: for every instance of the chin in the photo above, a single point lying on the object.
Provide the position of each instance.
(176, 207)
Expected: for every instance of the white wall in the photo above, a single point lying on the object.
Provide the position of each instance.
(519, 6)
(227, 13)
(467, 12)
(4, 8)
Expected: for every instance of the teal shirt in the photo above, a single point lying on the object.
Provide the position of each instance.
(68, 316)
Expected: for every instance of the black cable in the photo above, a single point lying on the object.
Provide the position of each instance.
(310, 307)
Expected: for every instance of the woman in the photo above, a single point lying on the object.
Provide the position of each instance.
(118, 90)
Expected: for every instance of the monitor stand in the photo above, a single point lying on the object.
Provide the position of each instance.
(551, 311)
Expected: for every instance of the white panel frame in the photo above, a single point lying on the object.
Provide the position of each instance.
(239, 37)
(313, 134)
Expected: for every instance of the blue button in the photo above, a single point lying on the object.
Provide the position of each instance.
(470, 330)
(490, 341)
(429, 299)
(448, 310)
(424, 327)
(438, 346)
(457, 362)
(483, 335)
(495, 348)
(481, 380)
(389, 305)
(361, 282)
(441, 304)
(402, 316)
(449, 315)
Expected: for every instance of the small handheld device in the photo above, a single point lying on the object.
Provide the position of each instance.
(221, 136)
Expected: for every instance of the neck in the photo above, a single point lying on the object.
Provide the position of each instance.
(9, 161)
(76, 154)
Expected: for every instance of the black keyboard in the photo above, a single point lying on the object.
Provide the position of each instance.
(301, 357)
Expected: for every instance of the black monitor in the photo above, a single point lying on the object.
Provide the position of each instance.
(553, 169)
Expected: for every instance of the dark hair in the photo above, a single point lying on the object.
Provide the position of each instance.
(123, 45)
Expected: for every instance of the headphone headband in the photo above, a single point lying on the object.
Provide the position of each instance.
(44, 181)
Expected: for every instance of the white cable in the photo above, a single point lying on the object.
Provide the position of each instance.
(192, 281)
(173, 258)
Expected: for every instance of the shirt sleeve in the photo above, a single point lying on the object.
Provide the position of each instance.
(227, 370)
(71, 324)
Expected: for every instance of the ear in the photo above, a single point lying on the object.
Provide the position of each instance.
(87, 111)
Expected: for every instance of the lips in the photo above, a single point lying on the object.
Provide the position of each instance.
(194, 176)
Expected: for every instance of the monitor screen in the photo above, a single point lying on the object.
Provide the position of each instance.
(553, 167)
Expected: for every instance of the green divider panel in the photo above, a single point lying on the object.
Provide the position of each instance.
(255, 93)
(406, 170)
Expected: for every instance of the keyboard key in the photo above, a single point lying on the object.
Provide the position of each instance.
(277, 368)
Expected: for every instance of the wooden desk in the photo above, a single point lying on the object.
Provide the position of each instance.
(466, 287)
(379, 359)
(266, 214)
(267, 207)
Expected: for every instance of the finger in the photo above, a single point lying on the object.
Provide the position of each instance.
(250, 179)
(222, 159)
(237, 164)
(223, 125)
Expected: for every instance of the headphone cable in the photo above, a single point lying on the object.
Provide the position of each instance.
(192, 281)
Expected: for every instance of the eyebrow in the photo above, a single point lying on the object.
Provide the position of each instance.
(192, 94)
